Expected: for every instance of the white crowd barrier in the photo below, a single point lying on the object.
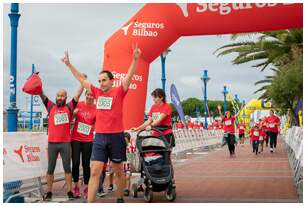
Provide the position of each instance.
(187, 139)
(25, 156)
(294, 142)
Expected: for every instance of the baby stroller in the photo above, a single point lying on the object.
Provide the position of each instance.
(156, 171)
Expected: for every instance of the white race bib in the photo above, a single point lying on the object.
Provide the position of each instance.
(83, 128)
(256, 133)
(104, 103)
(261, 138)
(271, 125)
(61, 118)
(228, 122)
(241, 127)
(155, 115)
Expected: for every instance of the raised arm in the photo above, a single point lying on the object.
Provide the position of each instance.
(128, 78)
(220, 112)
(79, 93)
(78, 75)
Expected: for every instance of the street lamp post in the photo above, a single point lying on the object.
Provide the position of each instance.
(12, 109)
(163, 62)
(224, 92)
(205, 79)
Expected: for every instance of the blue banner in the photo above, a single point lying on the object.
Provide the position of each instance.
(175, 99)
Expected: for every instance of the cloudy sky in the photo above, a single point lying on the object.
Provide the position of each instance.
(46, 30)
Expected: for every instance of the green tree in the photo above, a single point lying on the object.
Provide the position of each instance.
(271, 48)
(283, 51)
(287, 88)
(189, 107)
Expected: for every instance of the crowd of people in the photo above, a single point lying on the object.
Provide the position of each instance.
(92, 131)
(260, 133)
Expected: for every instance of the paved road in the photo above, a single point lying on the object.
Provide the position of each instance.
(214, 177)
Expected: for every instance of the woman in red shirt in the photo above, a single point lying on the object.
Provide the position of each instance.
(159, 116)
(272, 122)
(229, 130)
(82, 137)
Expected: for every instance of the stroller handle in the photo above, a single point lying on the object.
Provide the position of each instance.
(153, 128)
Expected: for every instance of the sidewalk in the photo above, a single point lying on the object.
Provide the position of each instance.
(214, 177)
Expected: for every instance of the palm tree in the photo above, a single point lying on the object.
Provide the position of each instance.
(272, 48)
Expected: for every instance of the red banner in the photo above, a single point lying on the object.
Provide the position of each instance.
(157, 26)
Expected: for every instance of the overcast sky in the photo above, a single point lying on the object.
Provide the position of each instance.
(46, 30)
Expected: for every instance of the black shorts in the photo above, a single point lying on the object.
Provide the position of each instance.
(109, 146)
(241, 135)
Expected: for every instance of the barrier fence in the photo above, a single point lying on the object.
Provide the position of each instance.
(293, 138)
(25, 157)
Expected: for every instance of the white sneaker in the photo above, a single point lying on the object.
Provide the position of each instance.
(271, 149)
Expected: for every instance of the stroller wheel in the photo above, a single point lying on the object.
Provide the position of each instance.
(171, 194)
(134, 190)
(148, 195)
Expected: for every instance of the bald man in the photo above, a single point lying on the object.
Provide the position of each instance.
(59, 137)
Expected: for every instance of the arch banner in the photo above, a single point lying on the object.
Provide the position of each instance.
(156, 26)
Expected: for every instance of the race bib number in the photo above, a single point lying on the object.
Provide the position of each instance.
(104, 103)
(83, 128)
(228, 122)
(61, 118)
(256, 134)
(241, 127)
(155, 115)
(261, 138)
(271, 125)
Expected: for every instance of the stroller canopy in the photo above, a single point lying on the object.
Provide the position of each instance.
(153, 141)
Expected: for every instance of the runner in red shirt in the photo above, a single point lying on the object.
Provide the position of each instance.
(196, 125)
(241, 128)
(264, 128)
(201, 125)
(254, 134)
(215, 125)
(262, 135)
(189, 124)
(179, 125)
(220, 125)
(229, 130)
(159, 116)
(109, 140)
(272, 122)
(59, 138)
(82, 136)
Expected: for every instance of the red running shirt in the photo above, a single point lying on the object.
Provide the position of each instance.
(229, 125)
(85, 120)
(157, 110)
(109, 109)
(59, 121)
(241, 128)
(271, 122)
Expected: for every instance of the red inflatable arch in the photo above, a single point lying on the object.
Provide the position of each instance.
(157, 26)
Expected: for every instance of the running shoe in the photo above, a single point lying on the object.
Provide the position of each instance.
(48, 196)
(76, 192)
(120, 200)
(70, 195)
(111, 188)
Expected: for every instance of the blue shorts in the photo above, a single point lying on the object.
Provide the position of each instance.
(109, 146)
